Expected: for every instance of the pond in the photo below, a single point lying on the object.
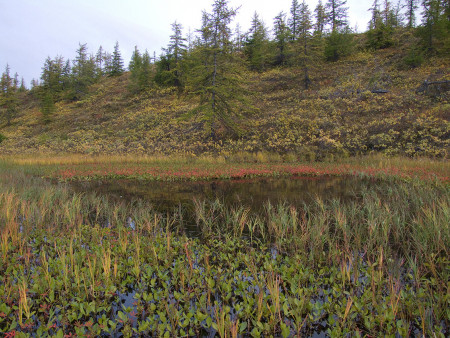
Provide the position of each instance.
(253, 193)
(177, 197)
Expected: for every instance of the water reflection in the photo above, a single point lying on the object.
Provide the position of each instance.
(254, 193)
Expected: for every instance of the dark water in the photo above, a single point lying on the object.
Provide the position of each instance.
(253, 193)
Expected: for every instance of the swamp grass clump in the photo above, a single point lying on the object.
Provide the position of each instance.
(81, 264)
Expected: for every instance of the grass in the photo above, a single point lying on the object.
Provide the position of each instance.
(72, 264)
(81, 167)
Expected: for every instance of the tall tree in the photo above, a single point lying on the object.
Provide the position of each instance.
(433, 28)
(116, 62)
(305, 26)
(294, 19)
(100, 61)
(411, 7)
(447, 12)
(215, 72)
(177, 48)
(380, 30)
(145, 75)
(321, 19)
(376, 15)
(52, 74)
(83, 72)
(256, 44)
(66, 78)
(239, 38)
(47, 107)
(338, 44)
(22, 87)
(8, 97)
(134, 67)
(169, 68)
(281, 32)
(337, 14)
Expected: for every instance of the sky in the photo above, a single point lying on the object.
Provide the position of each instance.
(32, 30)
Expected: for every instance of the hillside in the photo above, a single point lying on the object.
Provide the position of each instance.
(339, 115)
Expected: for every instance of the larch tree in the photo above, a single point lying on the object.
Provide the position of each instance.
(178, 48)
(281, 32)
(52, 74)
(321, 19)
(256, 44)
(134, 67)
(22, 87)
(337, 14)
(8, 97)
(239, 38)
(47, 107)
(116, 62)
(305, 26)
(215, 73)
(145, 75)
(434, 27)
(411, 8)
(169, 67)
(376, 15)
(380, 30)
(294, 19)
(83, 72)
(100, 61)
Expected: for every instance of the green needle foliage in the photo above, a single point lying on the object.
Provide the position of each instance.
(215, 74)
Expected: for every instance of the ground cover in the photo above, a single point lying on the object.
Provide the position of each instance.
(377, 265)
(244, 165)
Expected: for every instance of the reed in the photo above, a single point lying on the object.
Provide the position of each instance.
(381, 258)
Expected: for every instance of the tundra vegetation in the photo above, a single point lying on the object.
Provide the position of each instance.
(313, 99)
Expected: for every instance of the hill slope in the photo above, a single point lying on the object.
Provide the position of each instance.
(338, 115)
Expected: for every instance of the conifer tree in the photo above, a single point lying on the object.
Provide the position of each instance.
(22, 87)
(305, 26)
(434, 26)
(145, 75)
(338, 44)
(8, 97)
(281, 33)
(386, 13)
(169, 68)
(116, 62)
(100, 62)
(239, 38)
(337, 14)
(47, 107)
(256, 44)
(215, 72)
(66, 76)
(16, 81)
(52, 75)
(135, 67)
(380, 30)
(376, 15)
(83, 72)
(107, 63)
(321, 19)
(294, 19)
(177, 47)
(411, 7)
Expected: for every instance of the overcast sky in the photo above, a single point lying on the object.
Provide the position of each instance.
(31, 30)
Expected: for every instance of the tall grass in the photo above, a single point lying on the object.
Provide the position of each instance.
(376, 251)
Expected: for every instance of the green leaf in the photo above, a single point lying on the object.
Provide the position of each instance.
(242, 327)
(208, 322)
(60, 334)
